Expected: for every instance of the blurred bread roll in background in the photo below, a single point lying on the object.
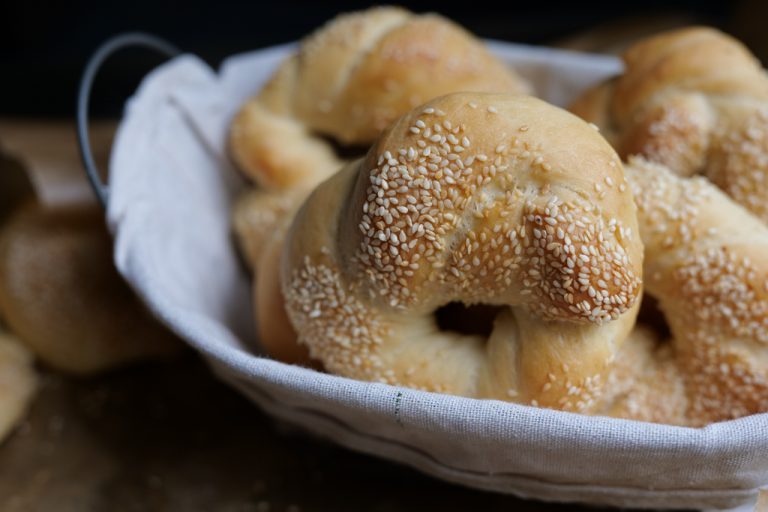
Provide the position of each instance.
(61, 294)
(257, 214)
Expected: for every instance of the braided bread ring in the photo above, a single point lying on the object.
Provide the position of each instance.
(696, 101)
(498, 199)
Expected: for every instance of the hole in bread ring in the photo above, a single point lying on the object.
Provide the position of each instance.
(469, 319)
(487, 201)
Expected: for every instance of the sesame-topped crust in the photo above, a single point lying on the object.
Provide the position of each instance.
(472, 201)
(475, 198)
(349, 80)
(705, 264)
(696, 101)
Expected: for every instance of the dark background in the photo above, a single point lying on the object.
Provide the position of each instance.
(44, 46)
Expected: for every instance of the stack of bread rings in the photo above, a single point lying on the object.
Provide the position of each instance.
(573, 280)
(348, 81)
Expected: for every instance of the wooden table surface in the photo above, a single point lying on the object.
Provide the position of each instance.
(169, 437)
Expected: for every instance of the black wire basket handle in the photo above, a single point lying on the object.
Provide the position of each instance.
(112, 45)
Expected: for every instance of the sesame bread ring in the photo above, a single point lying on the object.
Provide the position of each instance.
(705, 263)
(695, 100)
(349, 80)
(475, 198)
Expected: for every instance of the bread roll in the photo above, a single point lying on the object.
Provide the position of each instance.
(61, 294)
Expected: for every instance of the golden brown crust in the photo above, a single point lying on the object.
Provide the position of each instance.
(696, 59)
(280, 150)
(473, 198)
(506, 188)
(350, 79)
(705, 264)
(60, 293)
(696, 101)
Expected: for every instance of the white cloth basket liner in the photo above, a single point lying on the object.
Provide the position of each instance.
(171, 189)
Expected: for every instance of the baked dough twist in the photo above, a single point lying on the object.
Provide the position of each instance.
(348, 81)
(705, 264)
(475, 198)
(695, 100)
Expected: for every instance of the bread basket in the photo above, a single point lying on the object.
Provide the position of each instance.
(171, 185)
